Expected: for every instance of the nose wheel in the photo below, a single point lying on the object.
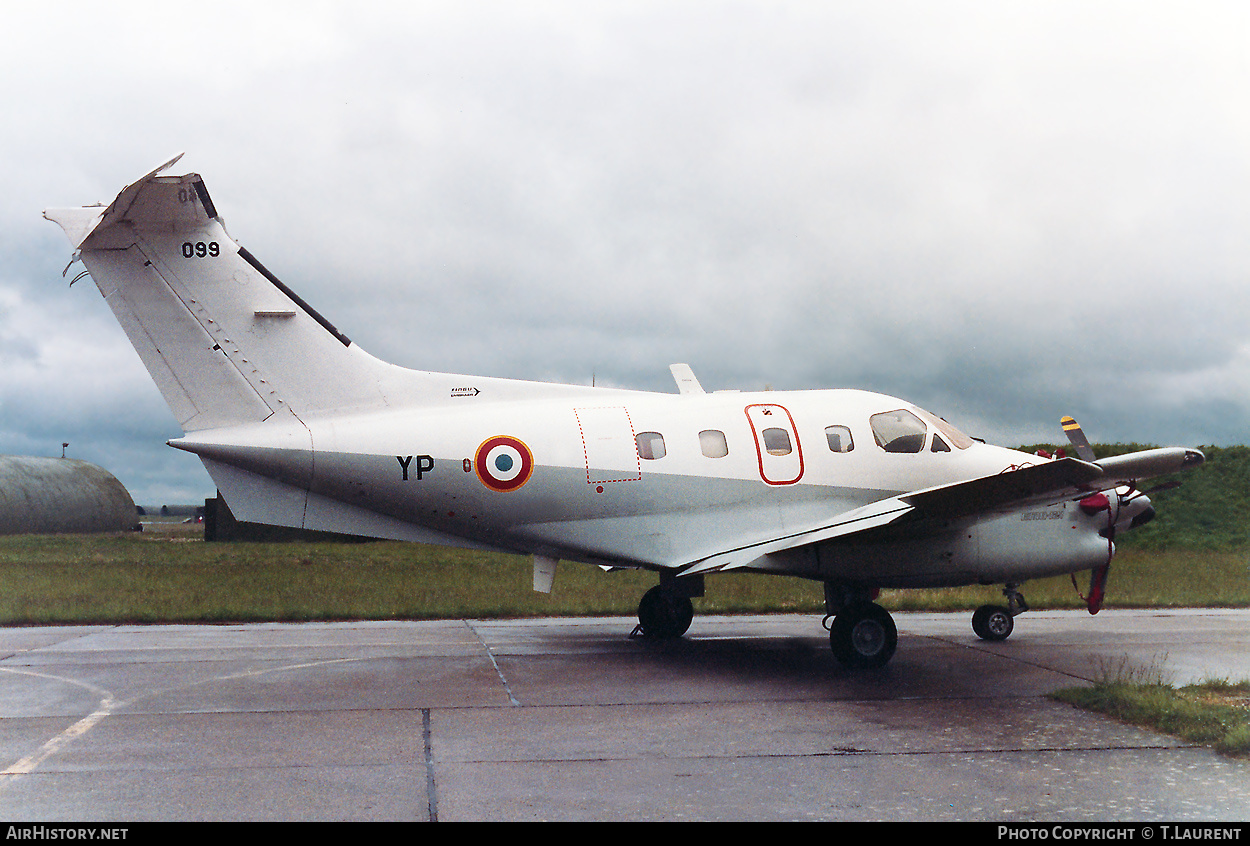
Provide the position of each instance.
(995, 622)
(992, 622)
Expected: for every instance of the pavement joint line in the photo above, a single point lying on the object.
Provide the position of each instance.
(502, 678)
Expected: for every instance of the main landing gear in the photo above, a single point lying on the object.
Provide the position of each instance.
(862, 634)
(665, 611)
(994, 622)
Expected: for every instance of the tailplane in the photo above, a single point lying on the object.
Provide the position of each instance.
(225, 341)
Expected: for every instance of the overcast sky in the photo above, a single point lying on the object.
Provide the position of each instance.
(1002, 211)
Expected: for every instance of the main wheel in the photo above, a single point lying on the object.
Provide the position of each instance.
(993, 622)
(663, 615)
(863, 635)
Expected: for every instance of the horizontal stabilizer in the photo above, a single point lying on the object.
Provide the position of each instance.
(256, 499)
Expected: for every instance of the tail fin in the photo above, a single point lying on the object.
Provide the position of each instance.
(224, 340)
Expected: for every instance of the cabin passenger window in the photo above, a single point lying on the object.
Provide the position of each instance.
(839, 438)
(898, 431)
(712, 443)
(777, 441)
(650, 445)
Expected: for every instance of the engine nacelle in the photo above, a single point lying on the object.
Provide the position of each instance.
(1014, 546)
(1123, 509)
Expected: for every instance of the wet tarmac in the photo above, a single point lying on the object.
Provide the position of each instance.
(746, 718)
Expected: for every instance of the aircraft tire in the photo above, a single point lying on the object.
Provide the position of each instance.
(993, 622)
(863, 635)
(663, 616)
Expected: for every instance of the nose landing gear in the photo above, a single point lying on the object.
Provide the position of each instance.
(994, 622)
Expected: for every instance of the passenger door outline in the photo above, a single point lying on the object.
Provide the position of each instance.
(608, 445)
(776, 468)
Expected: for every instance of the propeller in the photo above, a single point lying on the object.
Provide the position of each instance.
(1126, 505)
(1094, 504)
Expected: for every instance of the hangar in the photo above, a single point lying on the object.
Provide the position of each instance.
(61, 495)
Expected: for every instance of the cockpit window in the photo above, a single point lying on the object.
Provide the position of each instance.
(953, 436)
(898, 431)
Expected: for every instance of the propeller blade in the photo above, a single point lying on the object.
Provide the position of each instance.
(1097, 587)
(1079, 442)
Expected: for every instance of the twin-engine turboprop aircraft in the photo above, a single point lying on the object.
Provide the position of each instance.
(300, 427)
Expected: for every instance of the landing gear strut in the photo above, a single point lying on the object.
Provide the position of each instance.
(994, 622)
(862, 634)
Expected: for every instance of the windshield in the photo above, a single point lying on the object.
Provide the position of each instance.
(904, 430)
(953, 436)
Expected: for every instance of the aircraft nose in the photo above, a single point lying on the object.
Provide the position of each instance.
(1193, 458)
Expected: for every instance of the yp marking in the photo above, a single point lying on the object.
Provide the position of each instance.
(425, 463)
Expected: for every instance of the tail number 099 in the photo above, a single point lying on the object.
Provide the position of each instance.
(200, 249)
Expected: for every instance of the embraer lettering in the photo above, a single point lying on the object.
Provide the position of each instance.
(857, 491)
(425, 463)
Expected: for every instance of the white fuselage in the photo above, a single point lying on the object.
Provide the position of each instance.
(657, 480)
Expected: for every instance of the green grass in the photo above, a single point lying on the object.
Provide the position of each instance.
(141, 578)
(162, 577)
(1213, 713)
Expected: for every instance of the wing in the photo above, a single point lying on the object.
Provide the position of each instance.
(1048, 481)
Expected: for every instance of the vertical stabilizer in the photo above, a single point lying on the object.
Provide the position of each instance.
(224, 340)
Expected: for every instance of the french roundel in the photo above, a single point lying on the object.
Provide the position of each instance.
(503, 463)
